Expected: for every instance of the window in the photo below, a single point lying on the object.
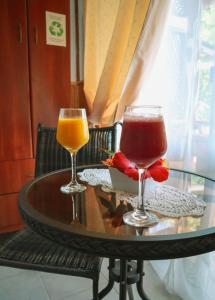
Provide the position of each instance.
(183, 82)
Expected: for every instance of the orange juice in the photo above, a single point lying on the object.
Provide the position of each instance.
(72, 133)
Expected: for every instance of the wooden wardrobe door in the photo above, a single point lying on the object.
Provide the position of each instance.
(49, 65)
(15, 122)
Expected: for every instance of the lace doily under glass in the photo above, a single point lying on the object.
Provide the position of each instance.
(164, 199)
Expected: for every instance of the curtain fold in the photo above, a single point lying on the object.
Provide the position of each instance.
(112, 30)
(145, 54)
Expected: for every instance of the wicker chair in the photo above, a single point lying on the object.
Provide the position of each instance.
(52, 156)
(28, 250)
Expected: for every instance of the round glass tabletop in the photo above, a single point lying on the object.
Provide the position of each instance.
(92, 220)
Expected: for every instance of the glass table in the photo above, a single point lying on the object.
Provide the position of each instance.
(91, 222)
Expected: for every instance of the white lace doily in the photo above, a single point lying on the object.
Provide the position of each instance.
(165, 199)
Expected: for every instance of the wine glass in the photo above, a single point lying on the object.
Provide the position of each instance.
(72, 134)
(143, 141)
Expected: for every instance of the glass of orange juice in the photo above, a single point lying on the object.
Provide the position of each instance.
(72, 134)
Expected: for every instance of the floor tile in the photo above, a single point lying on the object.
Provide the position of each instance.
(87, 296)
(62, 286)
(18, 284)
(25, 286)
(8, 272)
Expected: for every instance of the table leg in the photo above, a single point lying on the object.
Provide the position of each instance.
(123, 279)
(126, 273)
(139, 284)
(130, 292)
(110, 284)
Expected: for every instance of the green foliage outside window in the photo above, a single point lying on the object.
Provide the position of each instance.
(207, 63)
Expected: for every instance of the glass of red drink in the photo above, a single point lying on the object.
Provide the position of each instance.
(143, 141)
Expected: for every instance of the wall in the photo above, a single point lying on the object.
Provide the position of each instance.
(77, 53)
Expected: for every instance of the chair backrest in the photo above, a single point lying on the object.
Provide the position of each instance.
(51, 156)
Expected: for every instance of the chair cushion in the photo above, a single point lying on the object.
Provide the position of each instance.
(28, 250)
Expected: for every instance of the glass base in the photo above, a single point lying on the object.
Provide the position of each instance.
(72, 188)
(140, 219)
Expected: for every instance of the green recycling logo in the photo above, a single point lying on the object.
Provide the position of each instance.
(56, 29)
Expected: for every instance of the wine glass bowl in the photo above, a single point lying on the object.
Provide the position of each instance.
(72, 134)
(143, 141)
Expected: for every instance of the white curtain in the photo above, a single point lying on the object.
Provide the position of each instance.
(182, 79)
(145, 54)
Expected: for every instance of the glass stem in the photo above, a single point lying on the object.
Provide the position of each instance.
(73, 169)
(141, 204)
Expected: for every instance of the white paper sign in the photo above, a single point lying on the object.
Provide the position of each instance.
(55, 29)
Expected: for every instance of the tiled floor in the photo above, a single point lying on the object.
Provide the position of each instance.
(18, 284)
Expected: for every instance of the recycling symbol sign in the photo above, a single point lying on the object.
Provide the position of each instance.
(56, 29)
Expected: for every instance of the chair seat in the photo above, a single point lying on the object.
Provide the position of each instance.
(28, 250)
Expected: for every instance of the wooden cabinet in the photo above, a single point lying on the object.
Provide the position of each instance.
(34, 84)
(15, 111)
(49, 65)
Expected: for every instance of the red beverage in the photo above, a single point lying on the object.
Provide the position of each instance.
(143, 139)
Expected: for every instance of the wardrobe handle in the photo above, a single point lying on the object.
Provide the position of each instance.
(20, 33)
(35, 35)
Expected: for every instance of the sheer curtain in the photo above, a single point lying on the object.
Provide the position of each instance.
(182, 80)
(145, 54)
